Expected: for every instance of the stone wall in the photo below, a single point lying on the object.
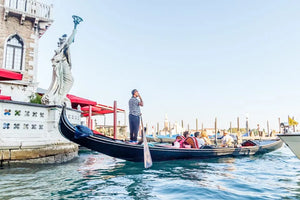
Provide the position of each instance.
(46, 154)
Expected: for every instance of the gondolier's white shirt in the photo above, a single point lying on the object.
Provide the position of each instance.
(134, 107)
(201, 142)
(227, 140)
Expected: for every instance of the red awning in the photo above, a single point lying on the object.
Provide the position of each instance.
(75, 100)
(2, 97)
(6, 75)
(99, 109)
(104, 107)
(87, 109)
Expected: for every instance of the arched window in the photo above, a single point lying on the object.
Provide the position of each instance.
(14, 53)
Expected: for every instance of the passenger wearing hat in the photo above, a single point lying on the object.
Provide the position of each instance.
(134, 114)
(227, 140)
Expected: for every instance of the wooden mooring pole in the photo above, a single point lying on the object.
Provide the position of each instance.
(216, 142)
(268, 127)
(170, 130)
(294, 128)
(115, 119)
(238, 124)
(279, 125)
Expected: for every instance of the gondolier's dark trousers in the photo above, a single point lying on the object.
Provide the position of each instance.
(134, 124)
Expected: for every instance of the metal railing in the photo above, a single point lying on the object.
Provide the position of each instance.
(32, 8)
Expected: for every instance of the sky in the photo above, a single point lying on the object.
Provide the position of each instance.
(188, 58)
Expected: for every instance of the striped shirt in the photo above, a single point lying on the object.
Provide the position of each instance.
(134, 107)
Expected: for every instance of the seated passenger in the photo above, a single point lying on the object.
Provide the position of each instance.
(200, 141)
(191, 142)
(179, 142)
(205, 138)
(227, 140)
(239, 138)
(186, 134)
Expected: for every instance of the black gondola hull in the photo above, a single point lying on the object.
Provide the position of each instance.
(134, 153)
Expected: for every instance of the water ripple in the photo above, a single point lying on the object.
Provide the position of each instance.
(95, 176)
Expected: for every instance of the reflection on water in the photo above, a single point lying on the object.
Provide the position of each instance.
(95, 176)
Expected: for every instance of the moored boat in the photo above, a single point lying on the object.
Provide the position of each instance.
(292, 140)
(134, 152)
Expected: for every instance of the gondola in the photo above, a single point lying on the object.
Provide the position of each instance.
(134, 152)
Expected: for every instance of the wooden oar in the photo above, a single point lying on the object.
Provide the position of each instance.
(147, 155)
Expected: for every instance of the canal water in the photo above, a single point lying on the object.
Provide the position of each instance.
(92, 175)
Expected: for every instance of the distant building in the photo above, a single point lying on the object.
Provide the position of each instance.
(166, 123)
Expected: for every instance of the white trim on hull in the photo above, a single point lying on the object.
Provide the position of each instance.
(292, 141)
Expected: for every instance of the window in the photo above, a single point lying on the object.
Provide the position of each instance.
(14, 53)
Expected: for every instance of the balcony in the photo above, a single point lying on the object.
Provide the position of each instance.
(30, 9)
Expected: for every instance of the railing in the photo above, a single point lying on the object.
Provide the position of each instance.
(30, 7)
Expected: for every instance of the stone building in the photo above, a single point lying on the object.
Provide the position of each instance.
(22, 23)
(28, 132)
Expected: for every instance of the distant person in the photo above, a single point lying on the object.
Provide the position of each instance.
(272, 133)
(134, 114)
(260, 133)
(239, 137)
(227, 140)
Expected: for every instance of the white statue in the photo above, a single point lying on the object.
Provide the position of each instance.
(62, 79)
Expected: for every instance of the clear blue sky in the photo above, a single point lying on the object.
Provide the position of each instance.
(188, 58)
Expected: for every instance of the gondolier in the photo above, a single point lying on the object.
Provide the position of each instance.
(134, 114)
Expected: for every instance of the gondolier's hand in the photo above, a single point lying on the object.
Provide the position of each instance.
(141, 100)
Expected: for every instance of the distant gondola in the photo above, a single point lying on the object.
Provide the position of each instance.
(134, 152)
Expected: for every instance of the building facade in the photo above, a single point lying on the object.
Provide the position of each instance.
(28, 132)
(22, 23)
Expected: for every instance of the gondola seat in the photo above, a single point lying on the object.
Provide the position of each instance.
(192, 141)
(180, 137)
(248, 143)
(97, 132)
